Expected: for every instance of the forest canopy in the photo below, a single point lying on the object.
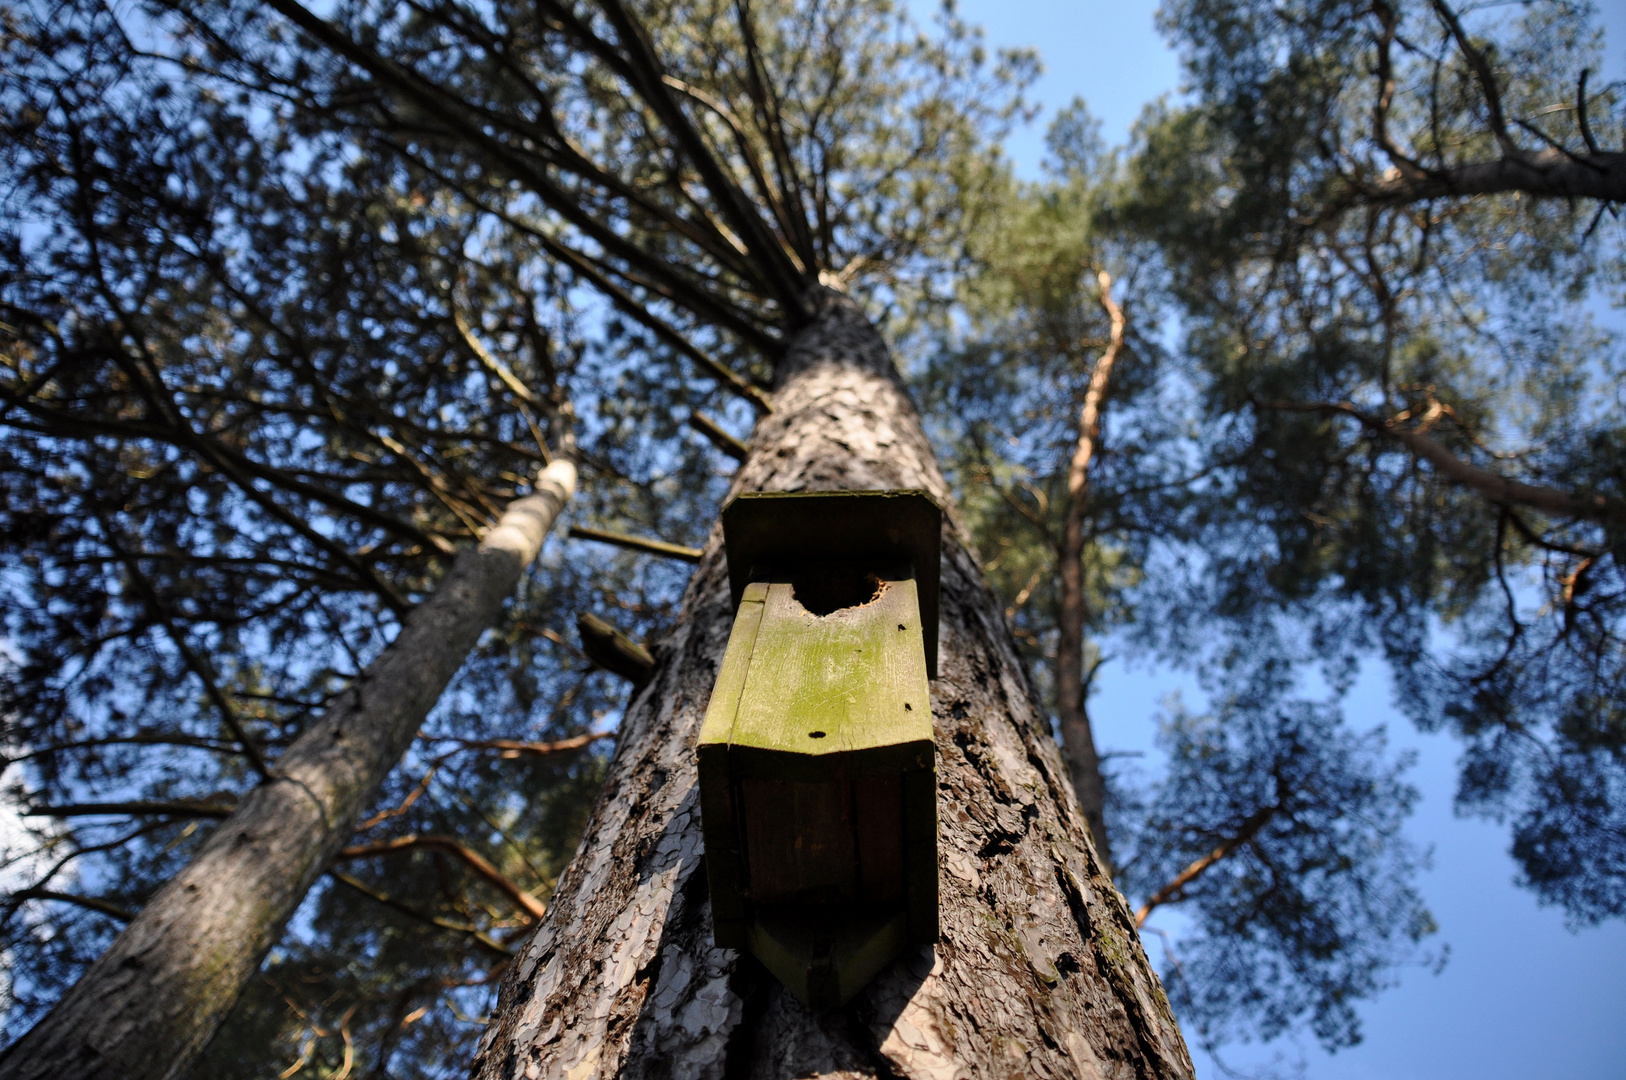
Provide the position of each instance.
(1307, 376)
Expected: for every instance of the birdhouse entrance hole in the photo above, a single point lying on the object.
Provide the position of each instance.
(818, 791)
(831, 587)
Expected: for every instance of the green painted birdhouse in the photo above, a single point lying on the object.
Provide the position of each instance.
(818, 789)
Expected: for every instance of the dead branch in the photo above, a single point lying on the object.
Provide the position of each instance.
(637, 543)
(612, 650)
(473, 859)
(1176, 887)
(213, 807)
(719, 438)
(407, 909)
(90, 903)
(509, 749)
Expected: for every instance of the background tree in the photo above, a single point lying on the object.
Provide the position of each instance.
(1056, 362)
(1401, 361)
(1398, 440)
(242, 438)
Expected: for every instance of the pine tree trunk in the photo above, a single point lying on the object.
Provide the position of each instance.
(150, 1003)
(1072, 688)
(1039, 971)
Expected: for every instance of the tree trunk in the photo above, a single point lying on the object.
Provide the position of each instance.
(151, 1002)
(1039, 971)
(1072, 690)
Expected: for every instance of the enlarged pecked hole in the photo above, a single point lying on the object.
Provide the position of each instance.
(823, 590)
(815, 734)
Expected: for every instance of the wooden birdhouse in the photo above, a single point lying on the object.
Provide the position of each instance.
(818, 790)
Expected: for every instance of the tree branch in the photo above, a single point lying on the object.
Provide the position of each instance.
(473, 122)
(614, 651)
(407, 909)
(514, 748)
(719, 438)
(1546, 173)
(184, 808)
(91, 903)
(1580, 112)
(473, 859)
(637, 543)
(494, 365)
(766, 101)
(218, 746)
(1493, 486)
(1483, 75)
(1174, 888)
(194, 660)
(781, 274)
(625, 302)
(1386, 91)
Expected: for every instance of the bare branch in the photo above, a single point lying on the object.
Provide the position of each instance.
(212, 807)
(1386, 91)
(1483, 75)
(1022, 596)
(194, 660)
(1174, 888)
(516, 748)
(719, 438)
(218, 746)
(624, 301)
(1546, 173)
(787, 284)
(473, 859)
(475, 932)
(1493, 486)
(91, 903)
(614, 651)
(495, 365)
(1580, 112)
(637, 543)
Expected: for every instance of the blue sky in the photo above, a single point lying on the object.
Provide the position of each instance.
(1521, 996)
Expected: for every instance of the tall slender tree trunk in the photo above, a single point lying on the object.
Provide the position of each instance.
(147, 1007)
(1072, 690)
(1039, 971)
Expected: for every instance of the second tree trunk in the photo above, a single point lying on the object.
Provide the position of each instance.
(148, 1005)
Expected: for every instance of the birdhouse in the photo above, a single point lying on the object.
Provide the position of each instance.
(818, 789)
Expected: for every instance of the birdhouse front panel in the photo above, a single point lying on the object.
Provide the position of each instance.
(835, 841)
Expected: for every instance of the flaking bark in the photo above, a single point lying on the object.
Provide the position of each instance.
(1039, 971)
(150, 1003)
